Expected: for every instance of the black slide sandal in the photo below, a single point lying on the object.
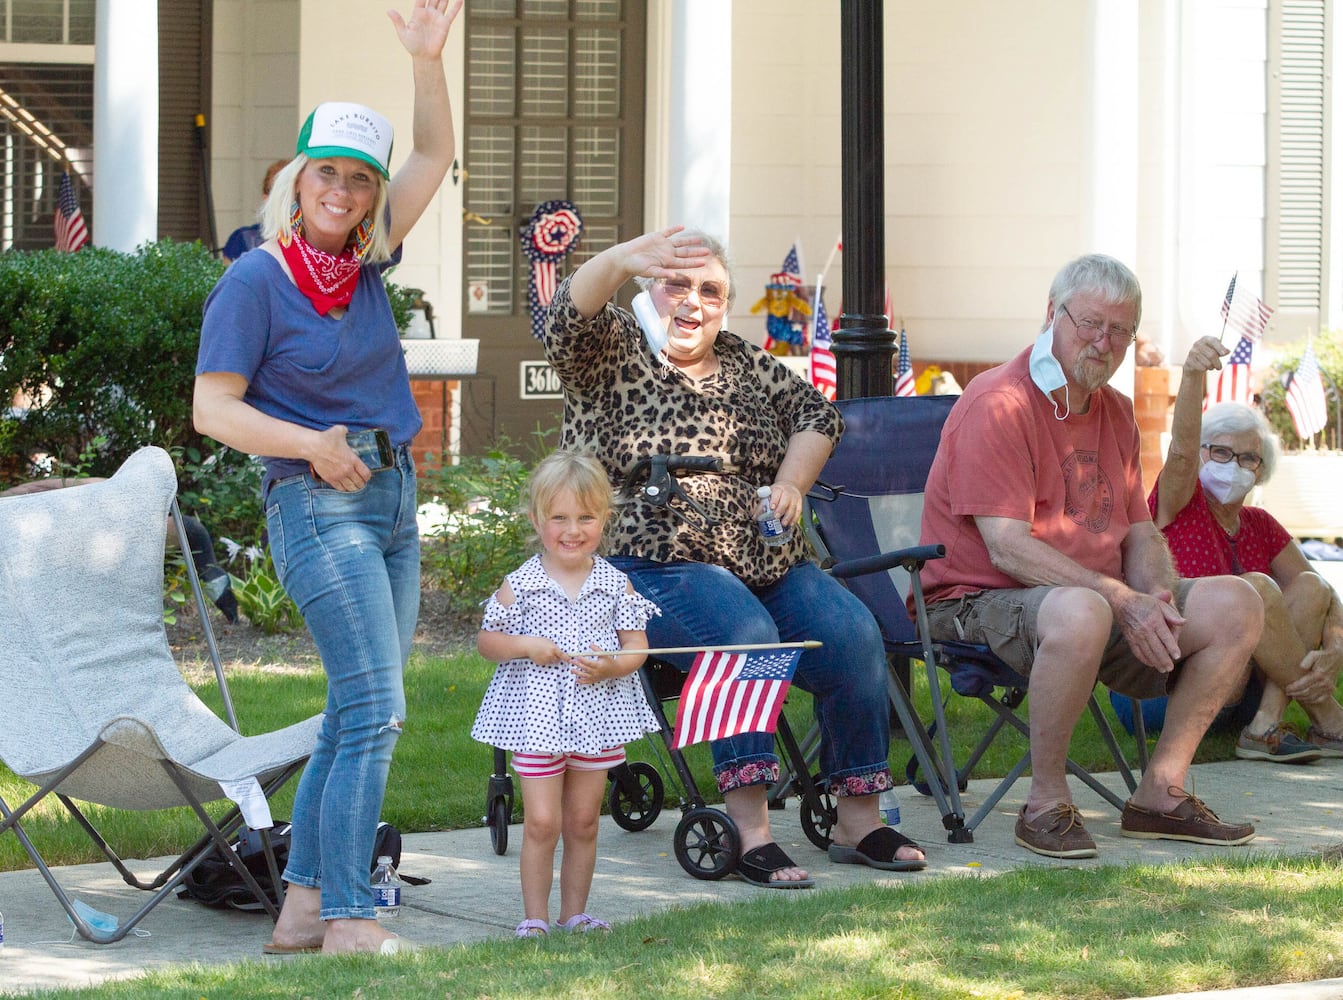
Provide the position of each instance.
(877, 850)
(756, 866)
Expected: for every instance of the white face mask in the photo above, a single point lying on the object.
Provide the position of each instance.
(1226, 482)
(653, 325)
(1047, 373)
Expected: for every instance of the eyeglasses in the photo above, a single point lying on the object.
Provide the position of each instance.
(1245, 459)
(711, 293)
(1093, 331)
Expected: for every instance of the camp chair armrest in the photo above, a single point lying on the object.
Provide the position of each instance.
(911, 559)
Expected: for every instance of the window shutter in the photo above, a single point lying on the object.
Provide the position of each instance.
(1297, 162)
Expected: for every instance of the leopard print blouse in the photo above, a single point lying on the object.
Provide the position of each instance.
(622, 404)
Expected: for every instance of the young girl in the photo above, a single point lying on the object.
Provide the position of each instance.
(565, 716)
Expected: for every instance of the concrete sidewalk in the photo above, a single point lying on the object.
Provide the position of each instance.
(475, 894)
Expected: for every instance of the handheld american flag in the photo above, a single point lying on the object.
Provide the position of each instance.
(730, 693)
(823, 374)
(71, 233)
(904, 369)
(1244, 312)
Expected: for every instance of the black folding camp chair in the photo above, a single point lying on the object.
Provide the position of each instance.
(867, 531)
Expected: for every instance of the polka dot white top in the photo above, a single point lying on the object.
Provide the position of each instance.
(543, 709)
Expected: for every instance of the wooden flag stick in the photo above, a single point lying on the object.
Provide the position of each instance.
(808, 644)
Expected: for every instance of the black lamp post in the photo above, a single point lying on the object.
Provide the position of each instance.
(864, 345)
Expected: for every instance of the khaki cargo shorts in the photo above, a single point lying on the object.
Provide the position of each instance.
(1005, 621)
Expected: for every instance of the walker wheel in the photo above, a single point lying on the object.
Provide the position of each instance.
(707, 843)
(498, 818)
(818, 825)
(636, 796)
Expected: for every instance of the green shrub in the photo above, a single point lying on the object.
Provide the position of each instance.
(103, 346)
(484, 533)
(1328, 349)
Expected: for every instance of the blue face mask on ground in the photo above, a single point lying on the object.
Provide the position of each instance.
(104, 923)
(1047, 373)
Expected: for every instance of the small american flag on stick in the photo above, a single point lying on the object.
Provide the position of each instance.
(733, 692)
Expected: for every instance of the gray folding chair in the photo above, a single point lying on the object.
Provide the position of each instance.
(92, 704)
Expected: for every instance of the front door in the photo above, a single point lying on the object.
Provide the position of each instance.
(554, 111)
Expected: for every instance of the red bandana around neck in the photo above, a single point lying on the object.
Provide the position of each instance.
(327, 281)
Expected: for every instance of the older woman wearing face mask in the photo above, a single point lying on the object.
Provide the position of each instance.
(1215, 459)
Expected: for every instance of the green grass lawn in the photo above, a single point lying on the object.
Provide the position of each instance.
(439, 774)
(1049, 933)
(1045, 933)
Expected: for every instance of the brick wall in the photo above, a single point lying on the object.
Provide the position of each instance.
(436, 434)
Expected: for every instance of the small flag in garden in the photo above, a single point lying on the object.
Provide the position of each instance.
(1305, 397)
(730, 693)
(1233, 381)
(822, 357)
(71, 233)
(1243, 311)
(791, 271)
(904, 369)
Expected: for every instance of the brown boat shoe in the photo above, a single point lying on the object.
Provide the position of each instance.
(1056, 833)
(1191, 820)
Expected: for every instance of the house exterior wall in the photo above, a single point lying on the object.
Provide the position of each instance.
(1017, 136)
(275, 60)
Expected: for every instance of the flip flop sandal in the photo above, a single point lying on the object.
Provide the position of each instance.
(756, 866)
(877, 850)
(272, 948)
(532, 929)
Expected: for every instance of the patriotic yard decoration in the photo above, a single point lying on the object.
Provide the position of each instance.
(71, 233)
(823, 374)
(547, 238)
(904, 369)
(731, 692)
(1305, 397)
(785, 306)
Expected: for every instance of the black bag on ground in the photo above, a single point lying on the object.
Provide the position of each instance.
(215, 883)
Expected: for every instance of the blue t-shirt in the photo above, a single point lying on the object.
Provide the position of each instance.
(304, 368)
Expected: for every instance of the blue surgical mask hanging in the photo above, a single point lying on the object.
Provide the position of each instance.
(1047, 373)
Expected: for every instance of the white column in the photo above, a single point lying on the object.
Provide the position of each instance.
(699, 134)
(126, 123)
(1112, 225)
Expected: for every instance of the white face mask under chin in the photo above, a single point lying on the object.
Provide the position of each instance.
(1226, 482)
(1047, 373)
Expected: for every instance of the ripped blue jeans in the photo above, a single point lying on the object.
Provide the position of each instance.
(351, 562)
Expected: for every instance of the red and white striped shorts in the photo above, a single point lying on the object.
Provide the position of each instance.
(545, 765)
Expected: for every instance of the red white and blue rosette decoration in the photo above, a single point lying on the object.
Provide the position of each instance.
(547, 237)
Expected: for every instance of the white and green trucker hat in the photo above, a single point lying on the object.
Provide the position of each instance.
(339, 128)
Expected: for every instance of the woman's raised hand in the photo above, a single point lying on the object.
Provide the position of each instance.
(1205, 356)
(425, 33)
(663, 253)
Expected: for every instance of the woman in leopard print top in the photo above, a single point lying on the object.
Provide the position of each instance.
(709, 392)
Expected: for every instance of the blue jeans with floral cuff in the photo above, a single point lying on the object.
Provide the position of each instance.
(705, 605)
(351, 562)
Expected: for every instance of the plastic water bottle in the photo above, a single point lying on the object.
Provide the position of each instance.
(890, 808)
(386, 889)
(774, 531)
